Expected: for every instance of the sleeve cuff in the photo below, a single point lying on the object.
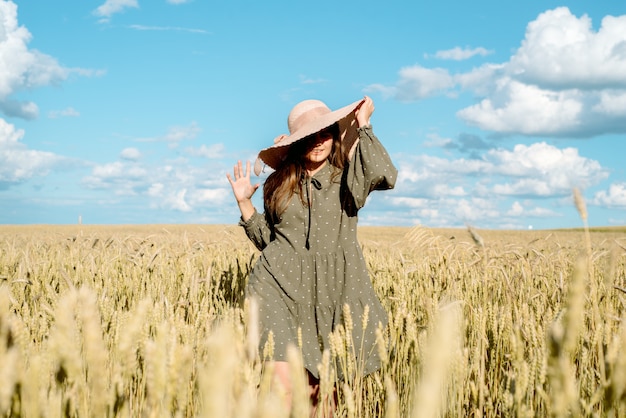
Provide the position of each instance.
(251, 221)
(366, 129)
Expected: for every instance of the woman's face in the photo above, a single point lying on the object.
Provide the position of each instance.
(318, 150)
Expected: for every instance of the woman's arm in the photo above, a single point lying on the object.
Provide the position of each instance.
(243, 189)
(370, 167)
(255, 225)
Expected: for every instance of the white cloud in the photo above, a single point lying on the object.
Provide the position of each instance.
(447, 190)
(18, 163)
(417, 82)
(482, 80)
(459, 54)
(211, 151)
(175, 135)
(561, 169)
(122, 178)
(410, 202)
(110, 7)
(499, 187)
(210, 196)
(385, 91)
(308, 80)
(520, 108)
(434, 140)
(565, 79)
(9, 136)
(177, 201)
(516, 209)
(474, 209)
(67, 112)
(87, 72)
(416, 211)
(529, 187)
(118, 170)
(542, 170)
(179, 133)
(155, 190)
(25, 110)
(536, 170)
(451, 212)
(175, 185)
(187, 199)
(612, 103)
(22, 69)
(427, 170)
(561, 51)
(615, 197)
(130, 154)
(519, 210)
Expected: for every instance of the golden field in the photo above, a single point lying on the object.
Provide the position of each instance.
(151, 321)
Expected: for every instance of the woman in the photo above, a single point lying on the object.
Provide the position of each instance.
(311, 264)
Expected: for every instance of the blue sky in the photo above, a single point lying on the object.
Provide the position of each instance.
(132, 111)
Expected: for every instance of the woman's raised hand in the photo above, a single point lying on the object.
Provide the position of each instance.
(364, 112)
(240, 182)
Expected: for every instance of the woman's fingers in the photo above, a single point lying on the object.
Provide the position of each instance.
(238, 171)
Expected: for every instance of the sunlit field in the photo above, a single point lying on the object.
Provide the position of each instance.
(151, 321)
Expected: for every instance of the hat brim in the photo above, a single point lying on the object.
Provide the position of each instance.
(273, 156)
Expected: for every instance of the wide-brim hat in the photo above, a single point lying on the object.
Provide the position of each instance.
(305, 119)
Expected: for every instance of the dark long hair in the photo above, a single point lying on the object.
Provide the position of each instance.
(285, 181)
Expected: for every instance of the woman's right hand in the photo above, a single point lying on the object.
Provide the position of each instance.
(240, 182)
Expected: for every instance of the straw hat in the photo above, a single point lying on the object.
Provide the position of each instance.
(307, 118)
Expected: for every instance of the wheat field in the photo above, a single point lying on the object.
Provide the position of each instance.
(151, 321)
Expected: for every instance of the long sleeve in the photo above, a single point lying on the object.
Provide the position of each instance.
(258, 230)
(370, 168)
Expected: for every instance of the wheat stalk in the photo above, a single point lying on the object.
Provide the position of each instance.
(442, 347)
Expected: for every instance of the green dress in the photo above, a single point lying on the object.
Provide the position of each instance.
(311, 263)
